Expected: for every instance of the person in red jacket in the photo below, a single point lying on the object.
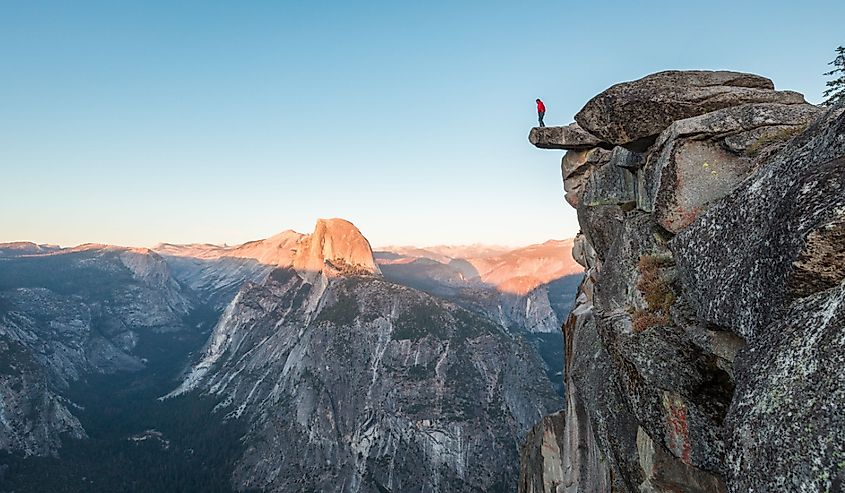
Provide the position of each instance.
(541, 111)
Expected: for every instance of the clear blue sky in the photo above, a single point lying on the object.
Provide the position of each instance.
(137, 122)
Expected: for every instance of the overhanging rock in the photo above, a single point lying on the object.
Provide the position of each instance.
(571, 138)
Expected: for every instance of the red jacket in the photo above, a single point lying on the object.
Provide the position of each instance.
(541, 108)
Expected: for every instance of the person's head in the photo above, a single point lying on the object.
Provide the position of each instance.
(538, 100)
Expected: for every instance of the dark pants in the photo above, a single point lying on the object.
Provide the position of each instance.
(540, 114)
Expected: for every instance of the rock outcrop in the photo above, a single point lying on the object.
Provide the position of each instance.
(570, 138)
(541, 459)
(704, 352)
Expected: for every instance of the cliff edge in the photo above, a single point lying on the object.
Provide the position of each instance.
(706, 349)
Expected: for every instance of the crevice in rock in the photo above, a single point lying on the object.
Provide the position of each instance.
(713, 396)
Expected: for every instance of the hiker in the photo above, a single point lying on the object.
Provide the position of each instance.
(541, 110)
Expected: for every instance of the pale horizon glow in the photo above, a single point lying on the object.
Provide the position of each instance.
(202, 122)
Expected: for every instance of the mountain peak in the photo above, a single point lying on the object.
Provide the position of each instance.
(338, 245)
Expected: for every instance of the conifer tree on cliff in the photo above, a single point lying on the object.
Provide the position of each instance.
(836, 88)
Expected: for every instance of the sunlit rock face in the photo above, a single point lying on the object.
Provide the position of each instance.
(68, 313)
(335, 246)
(704, 350)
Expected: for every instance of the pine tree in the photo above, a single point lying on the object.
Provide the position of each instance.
(836, 88)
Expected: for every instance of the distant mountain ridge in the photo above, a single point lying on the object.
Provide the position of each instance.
(443, 253)
(518, 287)
(20, 248)
(512, 270)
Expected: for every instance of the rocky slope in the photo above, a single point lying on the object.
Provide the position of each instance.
(705, 351)
(351, 383)
(68, 313)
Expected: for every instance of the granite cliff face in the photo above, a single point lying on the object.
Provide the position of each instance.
(705, 349)
(348, 382)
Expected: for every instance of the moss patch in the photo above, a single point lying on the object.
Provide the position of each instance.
(656, 287)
